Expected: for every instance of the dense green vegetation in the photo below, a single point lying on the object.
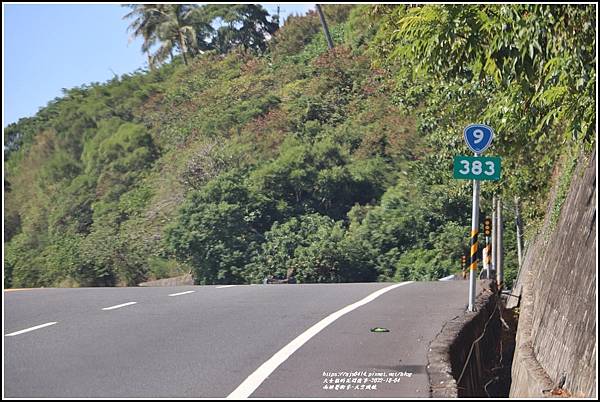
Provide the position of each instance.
(246, 157)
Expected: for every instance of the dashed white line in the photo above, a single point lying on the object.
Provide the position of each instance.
(182, 293)
(119, 306)
(225, 286)
(250, 384)
(31, 329)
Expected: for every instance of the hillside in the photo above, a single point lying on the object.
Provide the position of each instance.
(334, 164)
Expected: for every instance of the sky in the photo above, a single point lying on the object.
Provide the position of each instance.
(47, 47)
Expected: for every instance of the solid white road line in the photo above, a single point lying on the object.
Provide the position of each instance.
(225, 286)
(182, 293)
(250, 384)
(31, 329)
(119, 306)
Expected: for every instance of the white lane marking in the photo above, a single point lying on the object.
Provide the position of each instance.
(225, 286)
(119, 306)
(447, 278)
(31, 329)
(182, 293)
(250, 384)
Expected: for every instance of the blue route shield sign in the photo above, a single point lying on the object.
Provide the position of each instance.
(478, 137)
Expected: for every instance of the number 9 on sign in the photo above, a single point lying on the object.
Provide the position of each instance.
(478, 137)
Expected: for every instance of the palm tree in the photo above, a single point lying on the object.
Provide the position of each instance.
(177, 30)
(174, 26)
(187, 28)
(147, 19)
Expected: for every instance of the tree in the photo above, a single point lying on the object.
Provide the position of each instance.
(315, 178)
(527, 70)
(297, 32)
(147, 19)
(172, 26)
(311, 247)
(422, 265)
(543, 54)
(218, 228)
(245, 25)
(189, 28)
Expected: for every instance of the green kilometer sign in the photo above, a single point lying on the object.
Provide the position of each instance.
(477, 167)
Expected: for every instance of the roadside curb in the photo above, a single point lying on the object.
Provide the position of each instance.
(449, 351)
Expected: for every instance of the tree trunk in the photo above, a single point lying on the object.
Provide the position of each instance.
(183, 48)
(150, 63)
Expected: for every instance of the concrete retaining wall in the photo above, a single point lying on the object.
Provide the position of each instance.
(556, 338)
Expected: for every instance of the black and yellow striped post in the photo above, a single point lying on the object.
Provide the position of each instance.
(463, 265)
(488, 255)
(474, 247)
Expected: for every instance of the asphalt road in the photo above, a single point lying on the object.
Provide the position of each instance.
(274, 341)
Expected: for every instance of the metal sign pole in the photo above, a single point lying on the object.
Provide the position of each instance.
(473, 244)
(484, 266)
(489, 256)
(486, 257)
(478, 138)
(500, 246)
(325, 28)
(519, 225)
(494, 236)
